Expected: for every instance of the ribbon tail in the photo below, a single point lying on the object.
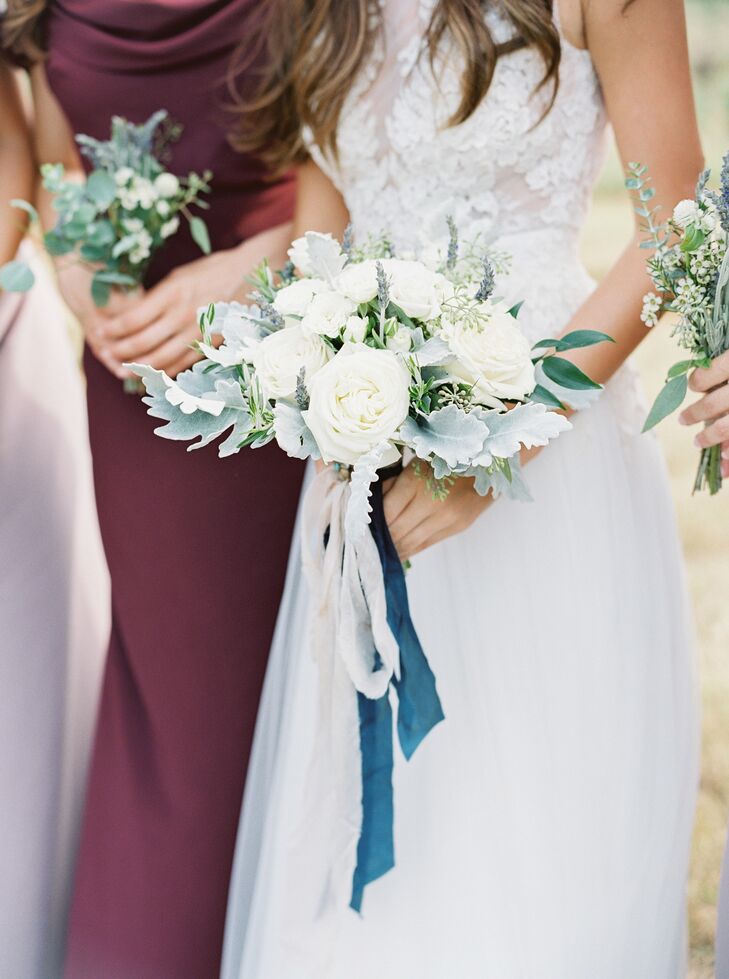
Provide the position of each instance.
(419, 706)
(376, 847)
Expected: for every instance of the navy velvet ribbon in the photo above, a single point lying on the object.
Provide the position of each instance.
(418, 711)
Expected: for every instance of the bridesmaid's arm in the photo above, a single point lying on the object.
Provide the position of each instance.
(641, 57)
(319, 205)
(16, 163)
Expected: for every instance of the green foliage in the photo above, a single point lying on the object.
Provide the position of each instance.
(16, 276)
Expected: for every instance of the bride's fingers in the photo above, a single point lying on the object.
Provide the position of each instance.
(430, 531)
(707, 408)
(400, 494)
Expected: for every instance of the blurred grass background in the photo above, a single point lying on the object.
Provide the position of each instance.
(704, 522)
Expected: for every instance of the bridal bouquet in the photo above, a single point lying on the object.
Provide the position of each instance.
(361, 359)
(124, 211)
(690, 270)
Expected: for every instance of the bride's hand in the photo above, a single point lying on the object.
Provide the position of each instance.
(713, 408)
(417, 521)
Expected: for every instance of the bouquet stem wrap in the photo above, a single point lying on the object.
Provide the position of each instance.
(366, 646)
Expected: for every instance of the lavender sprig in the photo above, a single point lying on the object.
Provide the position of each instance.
(452, 244)
(488, 282)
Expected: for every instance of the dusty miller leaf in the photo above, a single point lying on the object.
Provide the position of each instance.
(526, 425)
(292, 433)
(450, 433)
(326, 256)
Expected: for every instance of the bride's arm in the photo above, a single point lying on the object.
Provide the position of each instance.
(641, 57)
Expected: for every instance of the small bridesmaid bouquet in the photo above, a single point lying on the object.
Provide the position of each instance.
(122, 213)
(690, 270)
(367, 361)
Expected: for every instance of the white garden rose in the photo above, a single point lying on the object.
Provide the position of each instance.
(294, 299)
(687, 213)
(417, 290)
(355, 329)
(358, 400)
(280, 357)
(358, 281)
(167, 185)
(493, 356)
(327, 314)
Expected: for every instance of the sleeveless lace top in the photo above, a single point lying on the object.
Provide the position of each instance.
(519, 184)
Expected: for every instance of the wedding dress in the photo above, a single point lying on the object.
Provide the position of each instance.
(54, 624)
(542, 830)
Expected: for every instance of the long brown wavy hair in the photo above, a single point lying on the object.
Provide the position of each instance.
(21, 30)
(312, 51)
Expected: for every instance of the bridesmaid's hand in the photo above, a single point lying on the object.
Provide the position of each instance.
(74, 282)
(713, 408)
(417, 521)
(159, 328)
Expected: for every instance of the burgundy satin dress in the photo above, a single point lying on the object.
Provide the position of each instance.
(197, 546)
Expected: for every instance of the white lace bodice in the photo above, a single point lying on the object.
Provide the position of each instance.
(502, 175)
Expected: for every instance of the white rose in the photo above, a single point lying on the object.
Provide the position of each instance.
(327, 314)
(358, 281)
(280, 357)
(495, 357)
(170, 227)
(358, 400)
(299, 253)
(167, 185)
(418, 292)
(294, 300)
(355, 329)
(401, 341)
(686, 213)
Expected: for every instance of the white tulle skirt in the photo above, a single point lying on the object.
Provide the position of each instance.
(542, 831)
(54, 624)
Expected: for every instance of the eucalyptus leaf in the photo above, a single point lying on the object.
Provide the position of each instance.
(100, 292)
(575, 340)
(670, 398)
(101, 188)
(568, 375)
(200, 235)
(516, 309)
(682, 367)
(57, 245)
(541, 395)
(16, 276)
